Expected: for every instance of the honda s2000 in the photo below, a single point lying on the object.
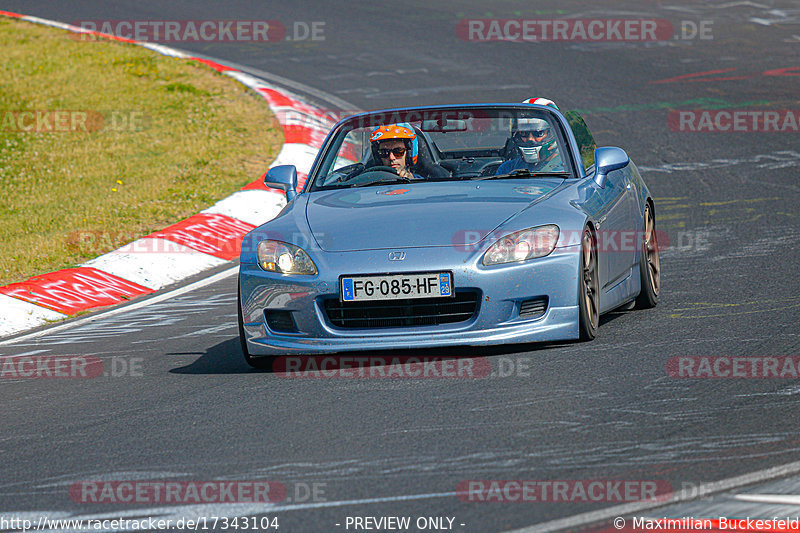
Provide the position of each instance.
(455, 225)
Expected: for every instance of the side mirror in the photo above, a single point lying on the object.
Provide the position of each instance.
(284, 178)
(608, 159)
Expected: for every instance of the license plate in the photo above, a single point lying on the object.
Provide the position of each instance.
(396, 286)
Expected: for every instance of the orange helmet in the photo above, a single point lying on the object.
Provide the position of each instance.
(403, 131)
(393, 131)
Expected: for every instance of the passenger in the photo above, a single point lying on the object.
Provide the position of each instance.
(535, 141)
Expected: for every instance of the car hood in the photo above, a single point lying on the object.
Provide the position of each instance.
(422, 214)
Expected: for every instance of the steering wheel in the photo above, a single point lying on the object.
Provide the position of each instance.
(365, 178)
(382, 168)
(490, 168)
(353, 171)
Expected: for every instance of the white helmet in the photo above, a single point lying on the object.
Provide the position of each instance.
(531, 148)
(535, 150)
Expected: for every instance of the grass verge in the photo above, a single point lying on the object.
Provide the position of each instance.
(112, 141)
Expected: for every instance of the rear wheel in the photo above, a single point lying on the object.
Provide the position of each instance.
(262, 362)
(649, 263)
(588, 294)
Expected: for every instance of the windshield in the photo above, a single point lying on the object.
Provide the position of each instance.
(415, 146)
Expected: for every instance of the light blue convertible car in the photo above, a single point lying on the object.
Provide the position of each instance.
(453, 225)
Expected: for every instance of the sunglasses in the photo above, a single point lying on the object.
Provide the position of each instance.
(526, 134)
(384, 152)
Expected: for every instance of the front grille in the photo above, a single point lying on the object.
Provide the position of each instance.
(280, 321)
(534, 308)
(402, 313)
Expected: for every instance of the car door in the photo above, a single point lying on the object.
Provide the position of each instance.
(616, 210)
(617, 239)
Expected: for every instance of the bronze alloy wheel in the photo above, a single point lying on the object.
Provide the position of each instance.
(589, 298)
(651, 248)
(649, 263)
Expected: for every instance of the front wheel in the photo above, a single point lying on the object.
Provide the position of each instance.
(649, 263)
(588, 288)
(261, 362)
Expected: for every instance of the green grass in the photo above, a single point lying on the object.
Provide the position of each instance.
(66, 197)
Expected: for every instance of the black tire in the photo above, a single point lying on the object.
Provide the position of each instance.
(588, 288)
(649, 263)
(260, 362)
(627, 307)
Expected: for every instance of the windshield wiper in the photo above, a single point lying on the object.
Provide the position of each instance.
(525, 173)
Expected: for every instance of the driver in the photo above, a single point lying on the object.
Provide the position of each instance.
(534, 140)
(396, 146)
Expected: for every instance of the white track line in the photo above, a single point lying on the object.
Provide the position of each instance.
(585, 519)
(297, 86)
(573, 521)
(778, 499)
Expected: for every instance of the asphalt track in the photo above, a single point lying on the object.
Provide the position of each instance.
(192, 411)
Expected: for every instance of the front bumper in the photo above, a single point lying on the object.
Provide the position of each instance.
(502, 289)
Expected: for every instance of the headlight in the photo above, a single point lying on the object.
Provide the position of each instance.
(522, 245)
(283, 258)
